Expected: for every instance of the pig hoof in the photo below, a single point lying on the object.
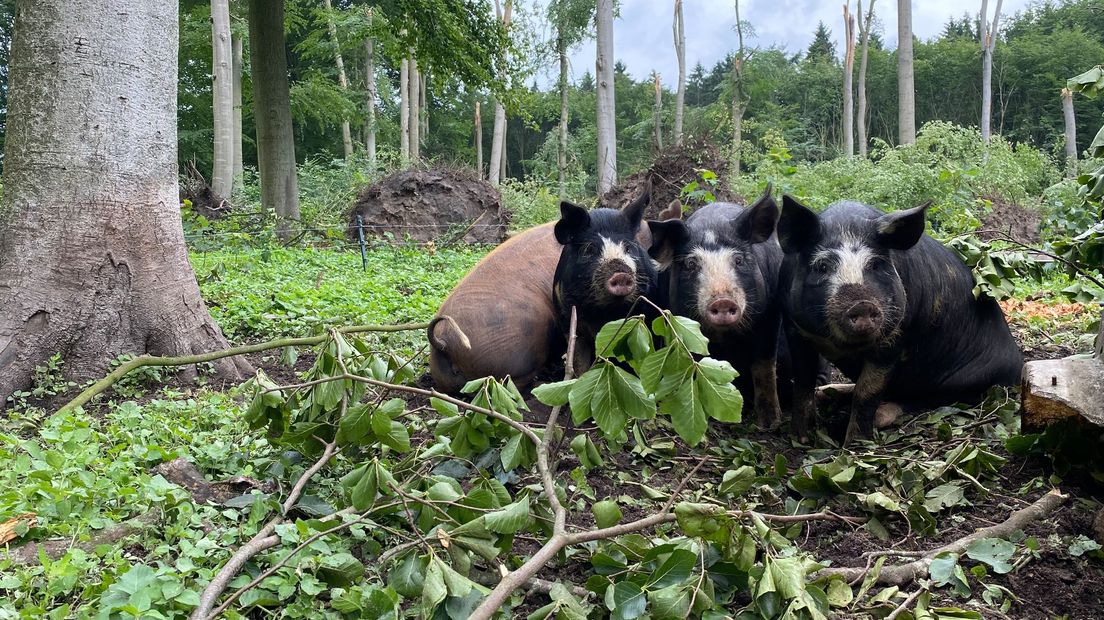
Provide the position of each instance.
(887, 414)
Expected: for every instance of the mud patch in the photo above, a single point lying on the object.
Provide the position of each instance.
(1011, 220)
(441, 205)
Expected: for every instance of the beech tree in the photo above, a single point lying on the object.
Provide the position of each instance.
(906, 90)
(404, 109)
(342, 79)
(498, 135)
(571, 19)
(236, 98)
(679, 28)
(370, 93)
(1071, 132)
(272, 113)
(739, 97)
(988, 44)
(864, 33)
(92, 257)
(222, 93)
(657, 111)
(603, 74)
(848, 72)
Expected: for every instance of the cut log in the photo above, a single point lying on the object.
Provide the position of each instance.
(1062, 389)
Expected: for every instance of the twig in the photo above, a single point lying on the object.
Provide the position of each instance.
(907, 573)
(908, 601)
(186, 360)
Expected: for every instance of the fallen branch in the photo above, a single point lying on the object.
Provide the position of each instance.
(186, 360)
(908, 601)
(905, 574)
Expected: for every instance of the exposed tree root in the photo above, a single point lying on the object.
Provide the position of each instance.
(905, 574)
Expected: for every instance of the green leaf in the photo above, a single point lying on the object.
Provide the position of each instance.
(582, 393)
(364, 493)
(626, 601)
(444, 408)
(944, 570)
(408, 577)
(510, 519)
(586, 451)
(670, 603)
(1080, 546)
(736, 482)
(944, 496)
(721, 401)
(789, 576)
(687, 415)
(879, 499)
(698, 519)
(554, 394)
(355, 425)
(458, 585)
(995, 552)
(606, 513)
(683, 329)
(675, 570)
(513, 453)
(434, 589)
(839, 593)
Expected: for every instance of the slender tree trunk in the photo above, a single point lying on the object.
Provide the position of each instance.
(415, 87)
(404, 110)
(906, 90)
(561, 148)
(988, 44)
(342, 79)
(423, 98)
(864, 31)
(92, 257)
(239, 168)
(657, 112)
(607, 122)
(680, 54)
(739, 105)
(1071, 132)
(479, 142)
(222, 93)
(370, 99)
(848, 89)
(497, 165)
(272, 113)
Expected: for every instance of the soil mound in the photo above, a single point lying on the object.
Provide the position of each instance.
(195, 190)
(438, 205)
(672, 170)
(1020, 223)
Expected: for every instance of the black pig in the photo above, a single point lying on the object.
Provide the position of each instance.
(891, 307)
(722, 271)
(603, 271)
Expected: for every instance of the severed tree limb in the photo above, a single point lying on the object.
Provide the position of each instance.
(904, 574)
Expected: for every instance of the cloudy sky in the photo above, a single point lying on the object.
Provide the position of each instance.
(643, 41)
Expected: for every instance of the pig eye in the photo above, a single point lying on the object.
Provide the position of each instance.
(822, 267)
(692, 262)
(737, 259)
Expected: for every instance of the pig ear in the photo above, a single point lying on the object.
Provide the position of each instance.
(798, 226)
(573, 221)
(634, 211)
(667, 236)
(757, 223)
(903, 229)
(672, 212)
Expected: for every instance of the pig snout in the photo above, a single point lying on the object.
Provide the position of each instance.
(621, 284)
(864, 318)
(723, 312)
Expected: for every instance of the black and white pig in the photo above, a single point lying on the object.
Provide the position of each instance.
(891, 307)
(603, 271)
(721, 269)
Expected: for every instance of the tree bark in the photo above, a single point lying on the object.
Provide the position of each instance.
(657, 112)
(848, 90)
(404, 110)
(479, 142)
(92, 257)
(864, 31)
(738, 103)
(497, 163)
(603, 75)
(414, 96)
(1071, 132)
(680, 54)
(906, 90)
(272, 113)
(239, 168)
(423, 101)
(561, 148)
(370, 99)
(342, 79)
(988, 44)
(222, 92)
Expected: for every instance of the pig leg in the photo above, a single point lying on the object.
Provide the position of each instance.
(804, 359)
(866, 399)
(764, 377)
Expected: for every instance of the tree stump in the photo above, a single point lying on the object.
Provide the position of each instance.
(1068, 388)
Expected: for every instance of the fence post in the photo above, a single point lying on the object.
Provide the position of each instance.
(360, 236)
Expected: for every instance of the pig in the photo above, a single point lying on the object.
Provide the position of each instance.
(499, 321)
(891, 307)
(603, 271)
(721, 269)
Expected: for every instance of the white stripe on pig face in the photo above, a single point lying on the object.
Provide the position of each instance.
(615, 250)
(852, 259)
(717, 278)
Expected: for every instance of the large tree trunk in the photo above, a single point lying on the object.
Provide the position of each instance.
(561, 148)
(342, 79)
(603, 75)
(239, 168)
(404, 109)
(906, 90)
(848, 90)
(988, 43)
(92, 256)
(370, 100)
(479, 142)
(414, 95)
(222, 93)
(272, 114)
(864, 31)
(657, 112)
(1071, 132)
(680, 54)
